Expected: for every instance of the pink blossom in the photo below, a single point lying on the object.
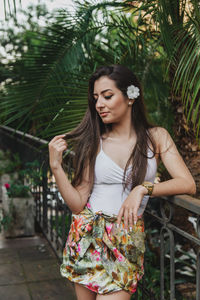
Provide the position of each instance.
(71, 251)
(120, 257)
(73, 244)
(7, 185)
(133, 287)
(97, 254)
(93, 287)
(79, 247)
(138, 276)
(109, 228)
(115, 250)
(88, 227)
(88, 205)
(118, 254)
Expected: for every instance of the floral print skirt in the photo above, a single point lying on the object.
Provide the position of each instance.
(101, 256)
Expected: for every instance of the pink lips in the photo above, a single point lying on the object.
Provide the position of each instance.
(103, 114)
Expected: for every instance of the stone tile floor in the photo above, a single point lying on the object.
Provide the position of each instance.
(29, 270)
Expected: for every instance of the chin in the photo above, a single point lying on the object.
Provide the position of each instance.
(107, 122)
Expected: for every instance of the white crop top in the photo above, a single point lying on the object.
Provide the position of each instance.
(107, 194)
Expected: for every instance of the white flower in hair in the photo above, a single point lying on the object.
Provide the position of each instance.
(133, 92)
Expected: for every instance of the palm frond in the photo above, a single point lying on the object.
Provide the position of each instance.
(51, 96)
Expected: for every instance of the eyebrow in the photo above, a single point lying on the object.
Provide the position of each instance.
(103, 91)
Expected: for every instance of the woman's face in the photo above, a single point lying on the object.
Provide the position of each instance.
(111, 104)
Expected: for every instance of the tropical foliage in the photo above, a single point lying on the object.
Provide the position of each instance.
(159, 40)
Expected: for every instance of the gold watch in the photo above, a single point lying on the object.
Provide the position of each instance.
(149, 186)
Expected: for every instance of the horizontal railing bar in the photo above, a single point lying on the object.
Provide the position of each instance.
(174, 228)
(24, 142)
(184, 234)
(29, 136)
(187, 201)
(44, 142)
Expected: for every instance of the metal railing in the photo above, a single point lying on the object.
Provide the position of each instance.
(172, 258)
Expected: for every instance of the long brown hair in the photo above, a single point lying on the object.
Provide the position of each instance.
(86, 137)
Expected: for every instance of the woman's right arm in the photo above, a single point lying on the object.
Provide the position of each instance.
(75, 198)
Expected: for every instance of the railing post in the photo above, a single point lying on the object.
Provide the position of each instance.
(198, 263)
(162, 266)
(162, 252)
(44, 197)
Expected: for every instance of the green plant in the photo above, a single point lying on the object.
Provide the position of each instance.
(27, 177)
(12, 163)
(5, 221)
(17, 189)
(33, 172)
(6, 218)
(59, 223)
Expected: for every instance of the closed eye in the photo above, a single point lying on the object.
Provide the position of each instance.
(108, 97)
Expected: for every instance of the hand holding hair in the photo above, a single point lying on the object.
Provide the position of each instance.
(56, 147)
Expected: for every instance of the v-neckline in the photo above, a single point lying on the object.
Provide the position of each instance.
(113, 160)
(101, 150)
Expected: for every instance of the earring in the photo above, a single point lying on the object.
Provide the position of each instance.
(130, 103)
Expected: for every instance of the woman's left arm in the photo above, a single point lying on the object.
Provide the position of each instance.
(182, 181)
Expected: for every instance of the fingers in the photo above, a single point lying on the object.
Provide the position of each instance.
(56, 138)
(58, 142)
(126, 212)
(56, 147)
(130, 217)
(135, 217)
(120, 214)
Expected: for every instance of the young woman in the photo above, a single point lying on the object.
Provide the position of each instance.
(117, 153)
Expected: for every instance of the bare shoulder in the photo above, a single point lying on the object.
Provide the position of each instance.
(161, 137)
(158, 132)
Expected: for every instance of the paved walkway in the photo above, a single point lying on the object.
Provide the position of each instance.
(29, 270)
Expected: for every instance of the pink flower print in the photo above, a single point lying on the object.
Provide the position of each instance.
(73, 244)
(79, 247)
(88, 227)
(108, 228)
(133, 290)
(93, 287)
(88, 205)
(133, 287)
(69, 238)
(115, 250)
(71, 251)
(120, 257)
(118, 254)
(97, 254)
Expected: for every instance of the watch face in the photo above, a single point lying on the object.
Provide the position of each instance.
(149, 187)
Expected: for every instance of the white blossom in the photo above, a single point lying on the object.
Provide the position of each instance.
(133, 92)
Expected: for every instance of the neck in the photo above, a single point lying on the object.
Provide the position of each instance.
(123, 130)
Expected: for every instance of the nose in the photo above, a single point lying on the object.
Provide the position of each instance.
(100, 102)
